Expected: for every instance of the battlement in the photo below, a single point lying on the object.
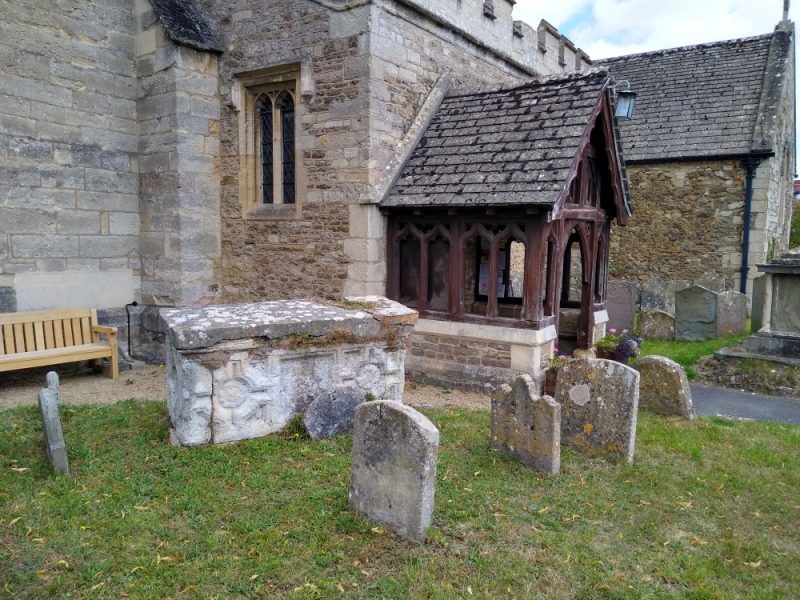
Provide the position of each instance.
(490, 23)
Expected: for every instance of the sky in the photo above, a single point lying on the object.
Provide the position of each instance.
(605, 28)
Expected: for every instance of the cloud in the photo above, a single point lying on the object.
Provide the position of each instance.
(606, 28)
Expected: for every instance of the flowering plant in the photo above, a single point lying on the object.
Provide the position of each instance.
(620, 346)
(557, 361)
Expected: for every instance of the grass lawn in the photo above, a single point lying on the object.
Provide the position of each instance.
(688, 353)
(710, 509)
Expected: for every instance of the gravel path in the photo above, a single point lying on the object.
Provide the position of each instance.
(147, 382)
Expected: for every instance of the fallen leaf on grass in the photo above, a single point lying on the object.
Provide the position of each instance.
(19, 469)
(378, 530)
(13, 521)
(755, 565)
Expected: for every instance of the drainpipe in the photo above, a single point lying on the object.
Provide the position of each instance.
(750, 165)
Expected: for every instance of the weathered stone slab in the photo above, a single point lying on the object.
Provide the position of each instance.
(332, 413)
(656, 325)
(695, 314)
(711, 281)
(599, 406)
(664, 387)
(394, 467)
(49, 401)
(621, 301)
(527, 426)
(757, 313)
(250, 387)
(654, 294)
(731, 313)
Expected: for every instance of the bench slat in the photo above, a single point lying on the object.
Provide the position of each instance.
(86, 330)
(58, 333)
(77, 336)
(30, 341)
(68, 340)
(2, 341)
(49, 339)
(40, 358)
(38, 334)
(19, 337)
(42, 315)
(8, 336)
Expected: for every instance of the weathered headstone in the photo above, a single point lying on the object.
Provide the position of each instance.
(695, 314)
(622, 299)
(332, 413)
(664, 387)
(711, 281)
(599, 402)
(673, 287)
(394, 467)
(654, 294)
(49, 401)
(527, 426)
(731, 313)
(757, 313)
(656, 325)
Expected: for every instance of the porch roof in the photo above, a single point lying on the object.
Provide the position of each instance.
(502, 146)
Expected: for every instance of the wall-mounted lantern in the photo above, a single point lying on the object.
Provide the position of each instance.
(625, 100)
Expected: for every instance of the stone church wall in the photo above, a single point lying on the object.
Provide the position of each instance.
(687, 222)
(69, 183)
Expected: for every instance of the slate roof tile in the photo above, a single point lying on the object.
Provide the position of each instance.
(521, 143)
(692, 101)
(185, 25)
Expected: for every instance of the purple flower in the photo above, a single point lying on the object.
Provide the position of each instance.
(562, 357)
(612, 330)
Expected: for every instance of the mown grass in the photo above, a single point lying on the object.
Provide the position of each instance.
(688, 353)
(710, 509)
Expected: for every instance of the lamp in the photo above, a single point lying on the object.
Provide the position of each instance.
(625, 100)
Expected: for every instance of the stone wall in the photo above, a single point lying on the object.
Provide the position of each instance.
(687, 222)
(69, 184)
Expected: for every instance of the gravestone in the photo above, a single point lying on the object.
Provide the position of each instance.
(332, 413)
(394, 467)
(49, 402)
(664, 387)
(759, 297)
(654, 294)
(695, 314)
(731, 313)
(527, 426)
(711, 281)
(599, 402)
(622, 299)
(674, 286)
(656, 325)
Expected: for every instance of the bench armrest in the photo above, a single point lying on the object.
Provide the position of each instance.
(104, 329)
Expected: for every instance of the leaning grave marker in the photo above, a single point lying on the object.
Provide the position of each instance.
(599, 407)
(393, 478)
(527, 426)
(49, 404)
(243, 371)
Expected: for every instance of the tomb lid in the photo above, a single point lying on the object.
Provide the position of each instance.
(196, 328)
(789, 262)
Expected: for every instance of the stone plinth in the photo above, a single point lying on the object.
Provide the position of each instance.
(244, 371)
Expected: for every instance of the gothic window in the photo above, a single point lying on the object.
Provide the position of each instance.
(274, 116)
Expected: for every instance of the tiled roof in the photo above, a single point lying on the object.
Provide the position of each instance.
(185, 25)
(694, 101)
(509, 146)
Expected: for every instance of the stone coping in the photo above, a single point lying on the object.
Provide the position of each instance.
(194, 328)
(788, 263)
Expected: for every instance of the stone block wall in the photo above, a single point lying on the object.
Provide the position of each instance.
(68, 154)
(687, 222)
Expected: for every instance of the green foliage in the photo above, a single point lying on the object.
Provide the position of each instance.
(296, 429)
(794, 235)
(709, 510)
(688, 353)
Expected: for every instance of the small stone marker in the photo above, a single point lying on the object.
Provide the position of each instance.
(695, 314)
(622, 300)
(394, 467)
(599, 402)
(332, 413)
(656, 325)
(664, 387)
(527, 426)
(49, 401)
(731, 313)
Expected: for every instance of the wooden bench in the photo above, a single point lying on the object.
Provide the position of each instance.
(52, 337)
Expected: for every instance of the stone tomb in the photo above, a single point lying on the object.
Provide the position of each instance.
(393, 476)
(663, 387)
(49, 404)
(245, 371)
(527, 426)
(599, 407)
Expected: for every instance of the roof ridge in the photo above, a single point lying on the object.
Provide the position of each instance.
(691, 47)
(512, 84)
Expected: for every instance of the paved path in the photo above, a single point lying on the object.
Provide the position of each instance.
(723, 402)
